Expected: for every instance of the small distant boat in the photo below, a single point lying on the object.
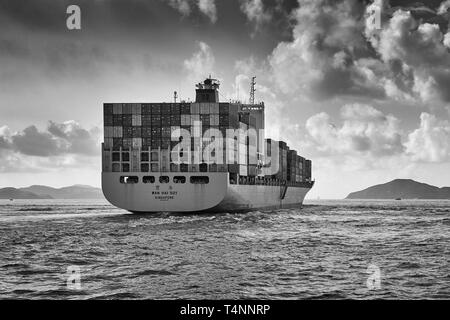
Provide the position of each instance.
(398, 198)
(11, 199)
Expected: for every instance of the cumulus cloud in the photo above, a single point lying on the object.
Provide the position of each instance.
(431, 141)
(58, 139)
(255, 12)
(447, 40)
(320, 61)
(201, 64)
(443, 8)
(364, 130)
(208, 7)
(182, 6)
(341, 48)
(420, 52)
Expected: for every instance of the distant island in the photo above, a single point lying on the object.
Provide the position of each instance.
(45, 192)
(402, 189)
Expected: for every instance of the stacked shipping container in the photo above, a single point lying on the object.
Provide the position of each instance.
(138, 138)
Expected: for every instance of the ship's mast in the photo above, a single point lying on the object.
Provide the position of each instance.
(252, 90)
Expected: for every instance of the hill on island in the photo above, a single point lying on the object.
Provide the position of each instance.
(45, 192)
(402, 188)
(13, 193)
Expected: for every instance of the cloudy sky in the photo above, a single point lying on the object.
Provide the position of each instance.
(366, 104)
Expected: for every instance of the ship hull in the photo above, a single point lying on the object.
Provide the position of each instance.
(216, 196)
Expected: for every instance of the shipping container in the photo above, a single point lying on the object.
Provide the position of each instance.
(117, 120)
(252, 170)
(214, 108)
(166, 132)
(127, 108)
(185, 108)
(108, 109)
(135, 163)
(117, 108)
(137, 132)
(136, 120)
(146, 144)
(156, 143)
(195, 108)
(165, 142)
(185, 120)
(106, 163)
(165, 119)
(195, 118)
(156, 120)
(165, 108)
(108, 132)
(204, 118)
(108, 120)
(127, 120)
(204, 108)
(175, 108)
(137, 110)
(175, 120)
(156, 109)
(127, 132)
(108, 144)
(146, 109)
(156, 132)
(146, 120)
(233, 168)
(117, 143)
(214, 120)
(244, 117)
(117, 132)
(243, 170)
(146, 132)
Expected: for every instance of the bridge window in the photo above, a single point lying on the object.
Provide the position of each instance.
(199, 179)
(154, 156)
(125, 156)
(125, 167)
(179, 179)
(144, 156)
(203, 167)
(116, 156)
(129, 179)
(116, 167)
(145, 167)
(148, 179)
(164, 179)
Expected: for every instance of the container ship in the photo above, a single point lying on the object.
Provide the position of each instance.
(202, 156)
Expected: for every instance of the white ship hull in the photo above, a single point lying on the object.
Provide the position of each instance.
(216, 196)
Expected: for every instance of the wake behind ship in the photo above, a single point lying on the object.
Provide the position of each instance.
(203, 156)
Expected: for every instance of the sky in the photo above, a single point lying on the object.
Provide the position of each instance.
(368, 102)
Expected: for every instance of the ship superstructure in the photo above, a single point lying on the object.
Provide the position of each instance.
(201, 156)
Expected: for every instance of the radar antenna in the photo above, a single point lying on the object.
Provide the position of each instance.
(252, 90)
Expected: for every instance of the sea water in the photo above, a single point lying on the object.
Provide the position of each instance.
(88, 249)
